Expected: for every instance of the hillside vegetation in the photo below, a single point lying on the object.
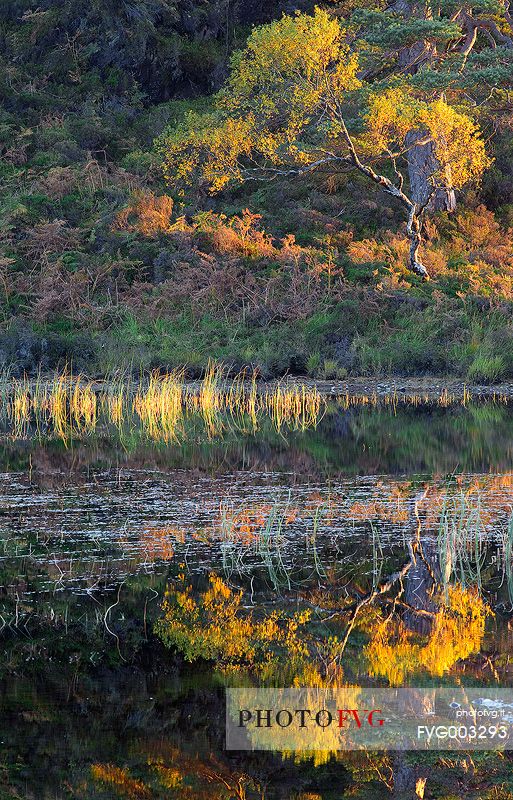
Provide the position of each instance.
(165, 201)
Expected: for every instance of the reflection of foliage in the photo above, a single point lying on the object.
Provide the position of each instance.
(457, 631)
(158, 543)
(215, 628)
(192, 778)
(187, 777)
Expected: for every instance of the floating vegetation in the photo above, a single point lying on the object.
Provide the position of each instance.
(256, 534)
(461, 543)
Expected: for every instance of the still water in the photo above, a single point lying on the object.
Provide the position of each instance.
(312, 517)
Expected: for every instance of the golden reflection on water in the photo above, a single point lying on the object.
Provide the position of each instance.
(457, 631)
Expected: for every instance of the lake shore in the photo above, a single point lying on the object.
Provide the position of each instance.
(429, 387)
(367, 389)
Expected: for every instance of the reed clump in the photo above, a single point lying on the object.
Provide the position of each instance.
(71, 406)
(159, 405)
(68, 404)
(296, 407)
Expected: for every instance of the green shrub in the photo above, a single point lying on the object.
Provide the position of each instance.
(313, 363)
(330, 370)
(486, 369)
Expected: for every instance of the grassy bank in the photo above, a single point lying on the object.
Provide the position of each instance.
(446, 339)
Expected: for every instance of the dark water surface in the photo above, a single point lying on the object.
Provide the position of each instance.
(92, 531)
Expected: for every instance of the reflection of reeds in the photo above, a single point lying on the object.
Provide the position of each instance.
(298, 407)
(71, 406)
(392, 399)
(20, 408)
(83, 407)
(211, 399)
(114, 402)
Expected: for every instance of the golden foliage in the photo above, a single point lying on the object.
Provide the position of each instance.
(206, 146)
(287, 64)
(215, 626)
(457, 631)
(396, 115)
(148, 214)
(283, 105)
(278, 85)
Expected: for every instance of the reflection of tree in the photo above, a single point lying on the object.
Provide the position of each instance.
(457, 630)
(216, 627)
(451, 617)
(413, 601)
(120, 780)
(188, 777)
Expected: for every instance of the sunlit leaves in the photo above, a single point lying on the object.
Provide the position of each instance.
(206, 147)
(397, 121)
(284, 105)
(274, 108)
(457, 142)
(289, 64)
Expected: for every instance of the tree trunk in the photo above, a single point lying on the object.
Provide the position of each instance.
(422, 163)
(414, 226)
(414, 229)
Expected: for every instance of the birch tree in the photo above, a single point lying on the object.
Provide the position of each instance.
(295, 102)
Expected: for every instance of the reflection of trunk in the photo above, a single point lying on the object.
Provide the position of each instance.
(407, 784)
(418, 588)
(421, 578)
(404, 777)
(422, 164)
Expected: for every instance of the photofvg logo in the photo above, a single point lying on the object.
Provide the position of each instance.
(305, 717)
(352, 718)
